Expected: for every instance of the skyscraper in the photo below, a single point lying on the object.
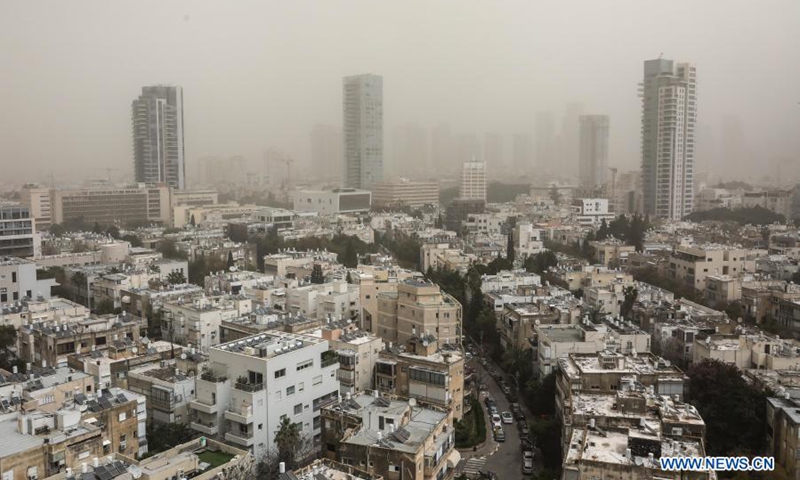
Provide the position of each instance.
(363, 130)
(473, 181)
(669, 113)
(569, 138)
(326, 151)
(545, 138)
(158, 149)
(593, 150)
(523, 152)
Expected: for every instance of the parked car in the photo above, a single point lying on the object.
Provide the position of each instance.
(525, 444)
(497, 421)
(524, 430)
(493, 409)
(527, 462)
(482, 387)
(507, 418)
(515, 407)
(499, 434)
(519, 416)
(489, 401)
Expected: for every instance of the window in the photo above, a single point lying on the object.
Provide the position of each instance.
(317, 380)
(298, 409)
(14, 276)
(394, 468)
(304, 365)
(301, 386)
(290, 390)
(280, 373)
(122, 417)
(261, 426)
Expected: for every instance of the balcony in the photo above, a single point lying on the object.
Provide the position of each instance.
(213, 378)
(201, 406)
(243, 415)
(245, 439)
(249, 387)
(205, 429)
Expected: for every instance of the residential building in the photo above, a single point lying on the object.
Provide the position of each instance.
(783, 424)
(168, 391)
(390, 437)
(548, 306)
(593, 150)
(528, 240)
(328, 469)
(612, 253)
(18, 237)
(511, 280)
(18, 280)
(691, 264)
(722, 290)
(669, 116)
(458, 211)
(37, 199)
(416, 308)
(372, 283)
(443, 255)
(473, 181)
(590, 212)
(776, 201)
(363, 130)
(420, 370)
(196, 321)
(747, 350)
(336, 299)
(295, 375)
(139, 204)
(405, 193)
(358, 352)
(298, 263)
(40, 309)
(158, 142)
(333, 202)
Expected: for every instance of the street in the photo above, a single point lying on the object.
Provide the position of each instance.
(502, 458)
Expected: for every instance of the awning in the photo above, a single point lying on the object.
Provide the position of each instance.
(454, 458)
(106, 442)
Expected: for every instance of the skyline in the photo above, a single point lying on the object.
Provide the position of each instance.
(258, 97)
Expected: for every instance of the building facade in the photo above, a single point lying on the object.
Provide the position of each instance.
(18, 236)
(669, 114)
(363, 130)
(405, 193)
(158, 149)
(593, 150)
(37, 199)
(138, 204)
(473, 181)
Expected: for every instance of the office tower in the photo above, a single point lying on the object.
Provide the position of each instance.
(326, 151)
(545, 138)
(363, 130)
(158, 149)
(443, 156)
(668, 122)
(410, 150)
(37, 199)
(569, 137)
(523, 152)
(132, 205)
(493, 149)
(593, 151)
(473, 181)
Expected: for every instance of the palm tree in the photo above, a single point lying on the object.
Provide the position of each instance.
(287, 438)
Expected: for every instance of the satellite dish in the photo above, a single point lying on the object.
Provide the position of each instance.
(145, 341)
(183, 356)
(232, 268)
(134, 349)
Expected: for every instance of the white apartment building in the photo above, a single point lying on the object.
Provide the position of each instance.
(253, 383)
(669, 114)
(590, 212)
(473, 181)
(363, 130)
(527, 240)
(336, 299)
(333, 202)
(18, 237)
(509, 280)
(197, 321)
(18, 280)
(691, 264)
(593, 150)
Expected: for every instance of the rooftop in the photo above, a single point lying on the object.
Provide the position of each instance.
(268, 345)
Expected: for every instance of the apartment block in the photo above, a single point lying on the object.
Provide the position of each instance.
(295, 375)
(298, 263)
(18, 280)
(390, 437)
(196, 322)
(167, 389)
(418, 307)
(528, 240)
(333, 202)
(590, 212)
(692, 264)
(37, 199)
(405, 193)
(18, 237)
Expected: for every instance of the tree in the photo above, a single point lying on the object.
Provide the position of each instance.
(630, 294)
(317, 276)
(349, 278)
(602, 232)
(350, 258)
(510, 247)
(636, 233)
(555, 195)
(734, 411)
(104, 307)
(230, 263)
(192, 222)
(169, 250)
(176, 277)
(288, 440)
(134, 240)
(8, 339)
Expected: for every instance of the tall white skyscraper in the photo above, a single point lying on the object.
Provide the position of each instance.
(158, 149)
(669, 114)
(473, 181)
(593, 150)
(363, 130)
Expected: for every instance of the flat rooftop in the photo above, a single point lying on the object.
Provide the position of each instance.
(268, 345)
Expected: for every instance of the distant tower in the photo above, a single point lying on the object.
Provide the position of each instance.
(593, 150)
(473, 180)
(545, 139)
(363, 130)
(669, 114)
(158, 148)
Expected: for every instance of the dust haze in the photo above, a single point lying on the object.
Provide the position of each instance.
(261, 75)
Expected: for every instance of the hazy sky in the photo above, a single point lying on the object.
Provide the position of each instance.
(262, 73)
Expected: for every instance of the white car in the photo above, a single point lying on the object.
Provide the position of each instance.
(496, 421)
(507, 418)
